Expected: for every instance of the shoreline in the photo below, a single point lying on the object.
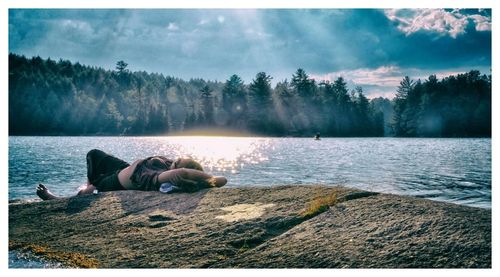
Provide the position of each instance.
(18, 201)
(235, 135)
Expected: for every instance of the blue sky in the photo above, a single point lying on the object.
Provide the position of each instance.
(373, 48)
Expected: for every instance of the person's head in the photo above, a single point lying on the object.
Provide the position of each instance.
(186, 163)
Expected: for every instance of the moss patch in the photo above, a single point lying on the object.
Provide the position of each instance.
(70, 259)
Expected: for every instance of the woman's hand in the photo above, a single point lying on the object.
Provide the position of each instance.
(218, 181)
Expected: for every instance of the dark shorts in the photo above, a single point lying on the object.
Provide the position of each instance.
(103, 169)
(109, 183)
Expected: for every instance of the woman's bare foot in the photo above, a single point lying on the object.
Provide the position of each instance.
(44, 193)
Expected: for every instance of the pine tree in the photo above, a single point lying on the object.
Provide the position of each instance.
(400, 124)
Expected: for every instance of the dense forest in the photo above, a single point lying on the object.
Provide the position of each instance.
(456, 106)
(48, 97)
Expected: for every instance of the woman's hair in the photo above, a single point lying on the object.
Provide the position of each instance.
(192, 186)
(189, 163)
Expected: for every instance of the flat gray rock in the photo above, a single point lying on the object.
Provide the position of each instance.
(254, 227)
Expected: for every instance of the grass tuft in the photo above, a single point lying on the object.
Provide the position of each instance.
(319, 205)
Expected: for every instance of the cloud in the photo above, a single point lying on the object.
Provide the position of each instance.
(452, 23)
(203, 22)
(76, 25)
(384, 80)
(483, 23)
(376, 82)
(381, 76)
(385, 76)
(362, 44)
(172, 26)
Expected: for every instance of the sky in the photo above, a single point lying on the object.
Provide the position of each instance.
(371, 48)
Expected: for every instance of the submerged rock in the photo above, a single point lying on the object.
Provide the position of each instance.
(284, 226)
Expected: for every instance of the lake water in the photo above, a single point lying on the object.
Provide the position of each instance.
(19, 259)
(452, 170)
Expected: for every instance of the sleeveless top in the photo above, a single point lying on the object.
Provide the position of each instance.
(145, 175)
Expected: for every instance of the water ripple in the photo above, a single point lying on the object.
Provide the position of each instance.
(454, 170)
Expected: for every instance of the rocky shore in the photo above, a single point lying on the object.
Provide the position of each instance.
(253, 227)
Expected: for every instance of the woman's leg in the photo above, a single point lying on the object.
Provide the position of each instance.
(99, 163)
(102, 171)
(44, 193)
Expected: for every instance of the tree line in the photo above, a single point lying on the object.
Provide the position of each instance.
(48, 97)
(456, 106)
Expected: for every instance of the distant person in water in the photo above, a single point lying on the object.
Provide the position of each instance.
(108, 173)
(317, 137)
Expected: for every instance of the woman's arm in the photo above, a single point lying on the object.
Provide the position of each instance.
(191, 177)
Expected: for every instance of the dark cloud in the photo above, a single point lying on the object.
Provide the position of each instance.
(214, 44)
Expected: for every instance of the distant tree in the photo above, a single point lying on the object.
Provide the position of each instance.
(138, 107)
(364, 121)
(121, 67)
(400, 123)
(234, 100)
(343, 109)
(113, 118)
(309, 103)
(329, 108)
(303, 85)
(261, 91)
(158, 120)
(412, 109)
(383, 106)
(191, 121)
(207, 104)
(261, 108)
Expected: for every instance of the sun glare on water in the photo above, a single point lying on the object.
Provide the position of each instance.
(221, 153)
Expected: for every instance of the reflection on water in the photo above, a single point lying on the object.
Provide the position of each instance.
(454, 170)
(221, 154)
